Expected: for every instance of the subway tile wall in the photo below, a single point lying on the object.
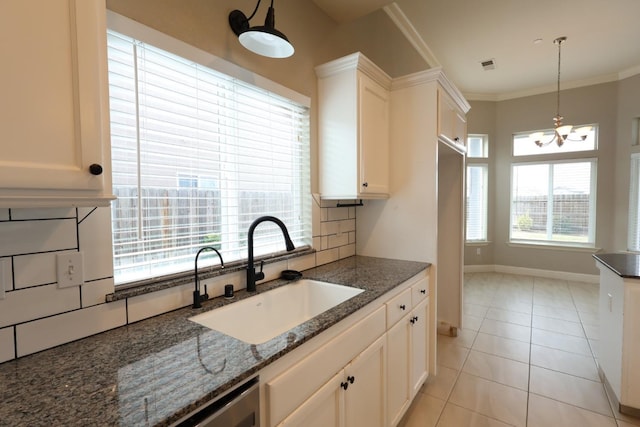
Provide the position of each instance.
(35, 314)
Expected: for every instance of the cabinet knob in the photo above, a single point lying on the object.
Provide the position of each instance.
(423, 291)
(365, 184)
(351, 379)
(344, 385)
(412, 320)
(456, 139)
(403, 307)
(95, 169)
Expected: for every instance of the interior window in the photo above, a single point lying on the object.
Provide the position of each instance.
(554, 202)
(634, 204)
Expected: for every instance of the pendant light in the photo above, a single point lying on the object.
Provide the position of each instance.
(264, 40)
(561, 132)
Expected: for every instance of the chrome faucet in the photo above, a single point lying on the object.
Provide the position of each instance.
(197, 298)
(252, 276)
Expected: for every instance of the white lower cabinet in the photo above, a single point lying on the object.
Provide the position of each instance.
(419, 346)
(407, 343)
(398, 356)
(354, 397)
(364, 388)
(325, 408)
(364, 375)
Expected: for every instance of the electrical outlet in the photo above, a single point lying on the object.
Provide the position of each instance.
(70, 269)
(478, 251)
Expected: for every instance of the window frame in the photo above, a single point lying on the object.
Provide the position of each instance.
(485, 203)
(478, 161)
(123, 25)
(559, 151)
(633, 225)
(591, 239)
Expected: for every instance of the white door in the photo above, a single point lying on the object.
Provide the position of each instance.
(323, 409)
(419, 345)
(365, 397)
(398, 365)
(373, 123)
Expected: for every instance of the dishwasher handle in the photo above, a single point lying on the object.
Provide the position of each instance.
(239, 408)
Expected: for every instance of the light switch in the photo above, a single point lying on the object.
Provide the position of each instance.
(70, 269)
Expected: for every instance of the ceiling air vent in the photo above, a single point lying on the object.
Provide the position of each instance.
(489, 64)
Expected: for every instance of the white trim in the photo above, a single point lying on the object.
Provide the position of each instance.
(522, 271)
(162, 41)
(629, 72)
(477, 242)
(479, 268)
(533, 244)
(607, 78)
(355, 61)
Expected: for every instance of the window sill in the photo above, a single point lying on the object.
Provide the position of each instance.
(160, 283)
(477, 243)
(552, 246)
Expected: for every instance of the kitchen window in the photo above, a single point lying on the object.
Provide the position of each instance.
(477, 188)
(634, 204)
(554, 202)
(524, 146)
(197, 156)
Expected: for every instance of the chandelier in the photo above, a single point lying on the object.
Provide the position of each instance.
(561, 132)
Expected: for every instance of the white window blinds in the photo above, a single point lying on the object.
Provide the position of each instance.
(477, 192)
(634, 204)
(197, 156)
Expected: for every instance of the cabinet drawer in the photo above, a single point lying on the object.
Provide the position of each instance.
(419, 291)
(287, 391)
(398, 307)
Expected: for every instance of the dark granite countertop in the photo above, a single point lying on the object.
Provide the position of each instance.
(155, 371)
(625, 265)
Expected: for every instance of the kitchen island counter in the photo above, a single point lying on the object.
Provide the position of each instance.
(619, 346)
(157, 370)
(623, 264)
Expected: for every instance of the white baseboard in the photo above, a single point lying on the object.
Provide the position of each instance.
(549, 274)
(479, 268)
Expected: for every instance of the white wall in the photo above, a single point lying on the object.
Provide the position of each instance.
(613, 106)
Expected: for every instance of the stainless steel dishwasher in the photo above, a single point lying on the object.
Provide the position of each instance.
(238, 408)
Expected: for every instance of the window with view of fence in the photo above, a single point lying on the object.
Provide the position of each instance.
(198, 156)
(554, 202)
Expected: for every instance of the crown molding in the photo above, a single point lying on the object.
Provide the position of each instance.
(352, 62)
(406, 27)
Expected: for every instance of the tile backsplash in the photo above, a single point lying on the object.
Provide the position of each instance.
(35, 314)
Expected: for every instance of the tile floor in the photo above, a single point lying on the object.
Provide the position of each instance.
(524, 358)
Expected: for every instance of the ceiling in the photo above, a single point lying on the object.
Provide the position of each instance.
(603, 40)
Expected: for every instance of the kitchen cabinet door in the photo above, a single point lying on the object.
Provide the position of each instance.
(398, 369)
(323, 409)
(365, 397)
(373, 125)
(54, 113)
(353, 129)
(452, 123)
(419, 346)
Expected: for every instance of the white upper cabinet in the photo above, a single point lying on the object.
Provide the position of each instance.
(353, 117)
(54, 113)
(452, 122)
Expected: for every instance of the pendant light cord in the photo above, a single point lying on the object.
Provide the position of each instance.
(256, 9)
(558, 101)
